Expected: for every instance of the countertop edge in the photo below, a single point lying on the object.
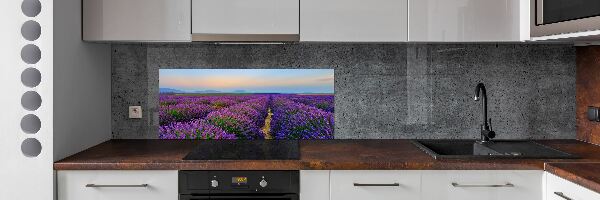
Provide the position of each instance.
(300, 165)
(573, 177)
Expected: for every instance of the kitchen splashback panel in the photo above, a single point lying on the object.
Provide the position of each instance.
(246, 104)
(381, 90)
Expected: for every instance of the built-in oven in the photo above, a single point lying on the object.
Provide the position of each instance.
(237, 185)
(553, 17)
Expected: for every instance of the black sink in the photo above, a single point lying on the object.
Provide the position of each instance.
(471, 149)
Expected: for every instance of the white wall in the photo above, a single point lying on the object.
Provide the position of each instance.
(82, 75)
(21, 177)
(82, 83)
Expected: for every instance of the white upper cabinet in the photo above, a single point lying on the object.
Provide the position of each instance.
(136, 20)
(468, 20)
(353, 20)
(307, 20)
(245, 20)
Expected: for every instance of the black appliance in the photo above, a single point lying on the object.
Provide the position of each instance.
(554, 17)
(235, 185)
(554, 11)
(245, 150)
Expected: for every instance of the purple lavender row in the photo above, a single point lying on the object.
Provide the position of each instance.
(324, 102)
(293, 120)
(220, 101)
(176, 108)
(244, 119)
(183, 112)
(256, 109)
(196, 129)
(238, 121)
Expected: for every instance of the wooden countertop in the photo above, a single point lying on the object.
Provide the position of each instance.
(331, 155)
(584, 174)
(315, 154)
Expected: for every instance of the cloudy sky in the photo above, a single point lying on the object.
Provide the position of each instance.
(249, 80)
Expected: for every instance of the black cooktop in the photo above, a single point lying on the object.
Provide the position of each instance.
(245, 150)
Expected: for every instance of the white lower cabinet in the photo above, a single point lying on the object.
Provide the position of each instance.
(341, 185)
(314, 184)
(117, 185)
(435, 185)
(482, 185)
(375, 185)
(560, 189)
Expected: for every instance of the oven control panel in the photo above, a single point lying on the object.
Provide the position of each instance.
(231, 182)
(239, 181)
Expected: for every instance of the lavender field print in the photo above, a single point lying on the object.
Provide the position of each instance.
(246, 104)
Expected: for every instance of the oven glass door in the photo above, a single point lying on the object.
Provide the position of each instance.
(554, 11)
(240, 197)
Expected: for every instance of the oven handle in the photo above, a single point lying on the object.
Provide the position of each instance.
(192, 197)
(245, 196)
(376, 184)
(91, 185)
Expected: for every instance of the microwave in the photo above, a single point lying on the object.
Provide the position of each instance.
(555, 17)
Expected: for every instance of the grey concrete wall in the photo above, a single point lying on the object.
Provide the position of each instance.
(382, 90)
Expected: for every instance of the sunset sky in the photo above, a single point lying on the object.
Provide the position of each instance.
(249, 80)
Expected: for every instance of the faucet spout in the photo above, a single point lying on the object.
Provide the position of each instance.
(486, 131)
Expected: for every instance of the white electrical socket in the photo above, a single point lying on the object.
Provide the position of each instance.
(135, 112)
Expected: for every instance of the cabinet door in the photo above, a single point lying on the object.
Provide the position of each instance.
(468, 20)
(353, 20)
(136, 20)
(482, 185)
(314, 185)
(233, 17)
(374, 184)
(117, 185)
(561, 189)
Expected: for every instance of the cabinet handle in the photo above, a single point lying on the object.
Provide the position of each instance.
(376, 184)
(115, 186)
(499, 185)
(560, 194)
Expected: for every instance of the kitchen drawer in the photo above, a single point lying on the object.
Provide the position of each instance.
(482, 185)
(162, 185)
(560, 189)
(374, 184)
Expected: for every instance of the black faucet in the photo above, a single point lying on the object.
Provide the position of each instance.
(486, 129)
